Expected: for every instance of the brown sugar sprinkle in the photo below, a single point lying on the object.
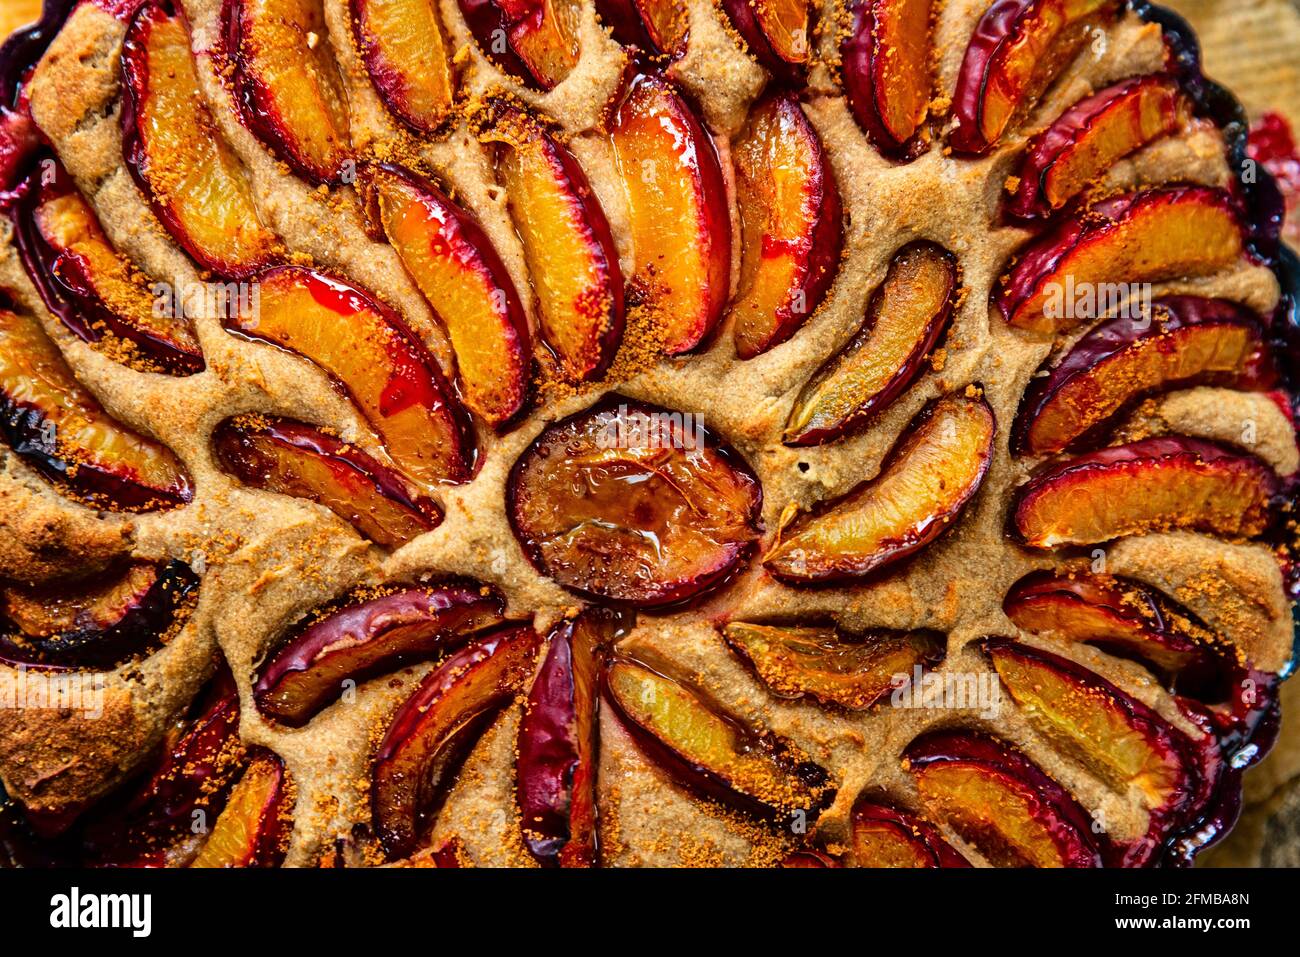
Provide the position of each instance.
(692, 851)
(212, 548)
(640, 350)
(768, 844)
(372, 855)
(125, 352)
(491, 119)
(608, 825)
(252, 421)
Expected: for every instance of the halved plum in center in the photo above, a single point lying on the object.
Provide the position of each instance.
(634, 503)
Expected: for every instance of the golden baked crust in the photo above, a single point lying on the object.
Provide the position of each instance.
(42, 539)
(267, 560)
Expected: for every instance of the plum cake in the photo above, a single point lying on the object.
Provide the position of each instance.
(635, 432)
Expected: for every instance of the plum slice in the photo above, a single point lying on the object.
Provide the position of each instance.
(884, 836)
(568, 247)
(791, 227)
(667, 23)
(118, 615)
(291, 458)
(288, 83)
(404, 47)
(710, 752)
(1018, 48)
(1000, 802)
(1186, 340)
(778, 33)
(556, 765)
(1092, 255)
(487, 23)
(534, 40)
(852, 671)
(544, 33)
(97, 293)
(415, 758)
(364, 636)
(193, 180)
(61, 430)
(465, 282)
(1126, 743)
(254, 828)
(658, 26)
(20, 137)
(152, 823)
(628, 502)
(905, 319)
(1090, 137)
(1117, 615)
(375, 358)
(926, 481)
(1155, 484)
(885, 63)
(680, 223)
